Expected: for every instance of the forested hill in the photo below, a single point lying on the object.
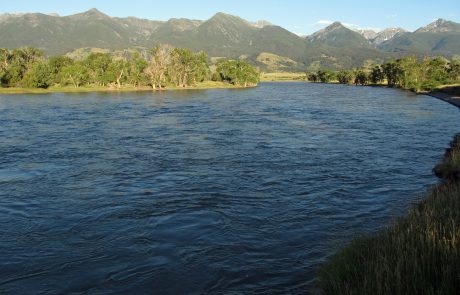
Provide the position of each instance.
(266, 45)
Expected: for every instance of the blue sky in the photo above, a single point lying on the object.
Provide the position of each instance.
(302, 17)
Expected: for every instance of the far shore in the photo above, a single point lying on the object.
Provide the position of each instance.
(449, 94)
(128, 88)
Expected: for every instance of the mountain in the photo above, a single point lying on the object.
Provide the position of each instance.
(57, 35)
(387, 34)
(440, 26)
(368, 34)
(261, 23)
(223, 35)
(337, 35)
(440, 37)
(345, 45)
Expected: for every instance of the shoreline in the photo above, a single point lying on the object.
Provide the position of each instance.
(415, 253)
(453, 99)
(447, 94)
(104, 89)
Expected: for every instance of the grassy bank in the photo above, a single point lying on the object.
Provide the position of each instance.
(418, 254)
(282, 77)
(127, 88)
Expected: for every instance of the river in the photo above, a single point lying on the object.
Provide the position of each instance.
(214, 191)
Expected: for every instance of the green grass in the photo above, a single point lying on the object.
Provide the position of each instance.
(419, 254)
(126, 88)
(282, 76)
(449, 168)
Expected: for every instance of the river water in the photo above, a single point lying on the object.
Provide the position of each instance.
(216, 191)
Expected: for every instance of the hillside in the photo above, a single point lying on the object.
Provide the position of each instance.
(225, 35)
(438, 38)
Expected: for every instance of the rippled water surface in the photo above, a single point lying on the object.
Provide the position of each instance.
(204, 191)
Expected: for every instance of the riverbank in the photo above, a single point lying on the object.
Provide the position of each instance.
(418, 254)
(449, 94)
(86, 89)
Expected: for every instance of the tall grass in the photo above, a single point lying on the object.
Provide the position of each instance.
(419, 254)
(449, 168)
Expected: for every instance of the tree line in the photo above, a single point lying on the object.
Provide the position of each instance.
(163, 66)
(408, 73)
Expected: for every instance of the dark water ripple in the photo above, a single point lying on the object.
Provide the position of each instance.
(204, 191)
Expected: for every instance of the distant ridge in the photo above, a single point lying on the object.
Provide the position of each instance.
(224, 35)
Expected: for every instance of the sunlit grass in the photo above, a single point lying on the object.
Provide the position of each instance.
(449, 168)
(270, 77)
(419, 254)
(125, 88)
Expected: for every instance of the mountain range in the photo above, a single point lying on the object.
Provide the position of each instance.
(262, 43)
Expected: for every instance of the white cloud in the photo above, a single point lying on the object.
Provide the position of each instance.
(322, 22)
(351, 26)
(394, 15)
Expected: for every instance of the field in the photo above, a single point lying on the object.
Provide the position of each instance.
(282, 76)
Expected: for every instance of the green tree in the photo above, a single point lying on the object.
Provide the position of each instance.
(97, 65)
(200, 67)
(412, 73)
(376, 76)
(312, 77)
(182, 66)
(39, 75)
(345, 77)
(56, 63)
(76, 74)
(392, 73)
(5, 59)
(361, 78)
(117, 70)
(436, 72)
(325, 76)
(453, 71)
(238, 72)
(136, 68)
(21, 60)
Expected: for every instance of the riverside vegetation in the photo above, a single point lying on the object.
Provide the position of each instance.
(408, 73)
(418, 254)
(163, 67)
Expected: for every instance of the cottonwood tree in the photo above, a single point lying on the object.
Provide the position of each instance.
(238, 72)
(376, 76)
(181, 66)
(56, 63)
(392, 72)
(136, 68)
(157, 67)
(21, 60)
(344, 77)
(117, 69)
(76, 74)
(5, 57)
(312, 77)
(98, 65)
(39, 75)
(361, 77)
